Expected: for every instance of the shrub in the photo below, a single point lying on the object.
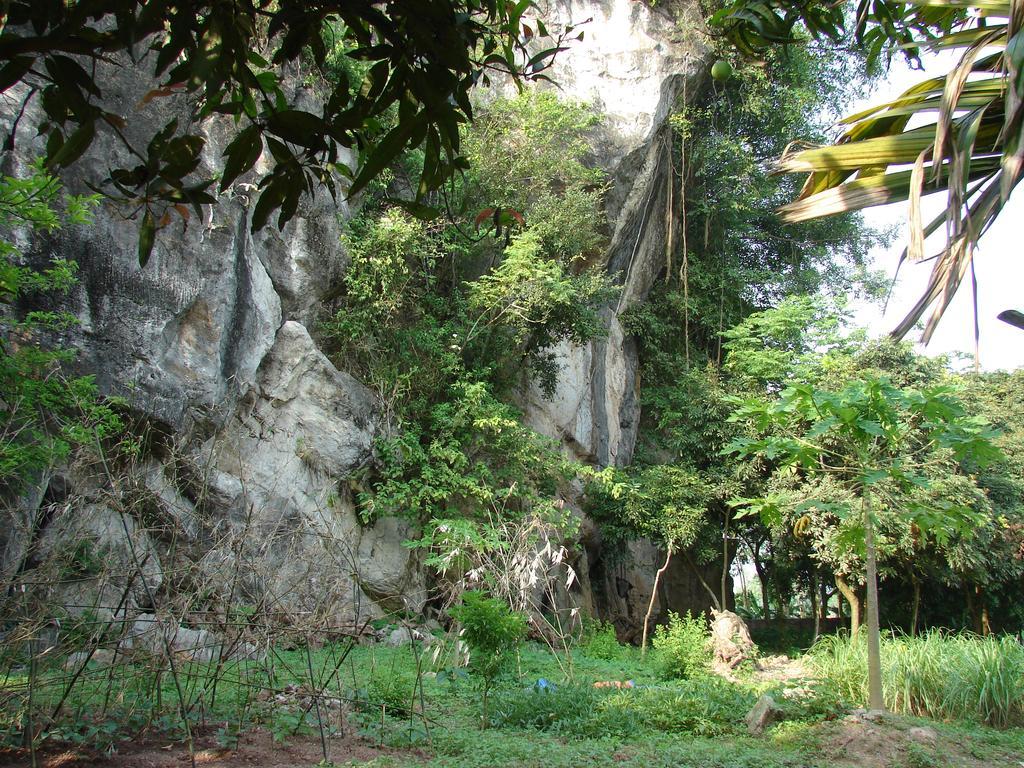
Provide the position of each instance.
(709, 707)
(46, 414)
(568, 709)
(706, 707)
(389, 689)
(493, 633)
(683, 646)
(599, 641)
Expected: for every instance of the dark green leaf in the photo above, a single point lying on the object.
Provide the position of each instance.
(242, 154)
(73, 147)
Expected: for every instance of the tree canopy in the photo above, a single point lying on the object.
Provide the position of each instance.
(972, 148)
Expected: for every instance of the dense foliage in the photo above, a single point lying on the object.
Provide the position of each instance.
(972, 148)
(46, 411)
(446, 321)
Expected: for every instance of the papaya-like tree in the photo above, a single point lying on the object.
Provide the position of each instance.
(877, 442)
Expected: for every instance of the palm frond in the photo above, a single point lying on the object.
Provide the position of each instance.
(973, 149)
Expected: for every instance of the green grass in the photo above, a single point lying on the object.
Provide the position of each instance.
(937, 674)
(659, 722)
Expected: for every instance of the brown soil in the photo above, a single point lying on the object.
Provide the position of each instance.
(890, 742)
(256, 749)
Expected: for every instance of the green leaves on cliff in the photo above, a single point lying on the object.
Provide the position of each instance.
(444, 321)
(44, 411)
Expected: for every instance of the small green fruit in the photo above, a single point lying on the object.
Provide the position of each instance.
(721, 70)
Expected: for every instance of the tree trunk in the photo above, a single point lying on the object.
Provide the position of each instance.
(703, 581)
(654, 596)
(851, 597)
(875, 699)
(725, 563)
(917, 606)
(783, 597)
(984, 625)
(972, 609)
(766, 612)
(815, 612)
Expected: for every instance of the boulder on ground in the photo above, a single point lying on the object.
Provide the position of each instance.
(764, 713)
(155, 635)
(402, 636)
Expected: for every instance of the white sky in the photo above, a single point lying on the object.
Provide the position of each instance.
(999, 263)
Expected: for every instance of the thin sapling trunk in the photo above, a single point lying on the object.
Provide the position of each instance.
(654, 596)
(876, 701)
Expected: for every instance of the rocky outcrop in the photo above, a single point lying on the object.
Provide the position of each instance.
(256, 437)
(253, 433)
(635, 65)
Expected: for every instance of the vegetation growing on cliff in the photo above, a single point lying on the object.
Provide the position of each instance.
(46, 412)
(454, 320)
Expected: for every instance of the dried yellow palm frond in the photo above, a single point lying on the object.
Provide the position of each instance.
(973, 149)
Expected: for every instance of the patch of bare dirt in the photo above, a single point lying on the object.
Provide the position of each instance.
(861, 741)
(781, 669)
(255, 749)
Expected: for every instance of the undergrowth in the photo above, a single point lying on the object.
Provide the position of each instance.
(538, 716)
(937, 674)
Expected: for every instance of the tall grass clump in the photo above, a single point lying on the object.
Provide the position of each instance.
(937, 674)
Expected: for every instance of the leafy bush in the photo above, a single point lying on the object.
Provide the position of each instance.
(707, 707)
(493, 633)
(683, 646)
(600, 642)
(568, 709)
(527, 153)
(46, 414)
(936, 674)
(390, 689)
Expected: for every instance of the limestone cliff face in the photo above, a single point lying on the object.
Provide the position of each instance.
(255, 432)
(635, 65)
(210, 345)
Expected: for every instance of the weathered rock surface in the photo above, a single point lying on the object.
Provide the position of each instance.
(764, 713)
(256, 431)
(158, 636)
(258, 435)
(112, 567)
(635, 63)
(730, 639)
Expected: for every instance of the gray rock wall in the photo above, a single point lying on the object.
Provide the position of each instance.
(210, 345)
(257, 433)
(635, 64)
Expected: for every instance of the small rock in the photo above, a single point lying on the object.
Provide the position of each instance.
(922, 735)
(865, 716)
(406, 635)
(101, 657)
(764, 713)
